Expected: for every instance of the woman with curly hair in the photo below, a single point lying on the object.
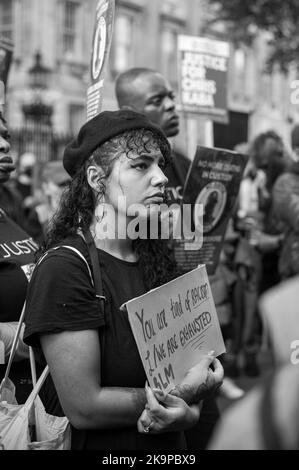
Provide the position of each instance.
(90, 349)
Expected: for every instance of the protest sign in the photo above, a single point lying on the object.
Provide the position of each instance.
(101, 43)
(174, 326)
(6, 51)
(212, 186)
(203, 75)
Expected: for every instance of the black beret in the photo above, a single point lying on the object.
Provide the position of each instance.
(103, 127)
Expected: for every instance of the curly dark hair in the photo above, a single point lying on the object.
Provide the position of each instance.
(78, 202)
(260, 140)
(276, 164)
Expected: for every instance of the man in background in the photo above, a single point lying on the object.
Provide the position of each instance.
(54, 180)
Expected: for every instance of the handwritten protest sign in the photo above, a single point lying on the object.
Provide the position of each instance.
(212, 186)
(203, 76)
(174, 326)
(101, 43)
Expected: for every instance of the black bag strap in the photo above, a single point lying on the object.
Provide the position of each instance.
(97, 277)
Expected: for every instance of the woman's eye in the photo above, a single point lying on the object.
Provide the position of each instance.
(140, 166)
(156, 101)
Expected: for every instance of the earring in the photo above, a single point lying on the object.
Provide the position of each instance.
(100, 213)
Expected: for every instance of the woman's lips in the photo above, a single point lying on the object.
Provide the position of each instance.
(6, 164)
(156, 198)
(174, 120)
(6, 159)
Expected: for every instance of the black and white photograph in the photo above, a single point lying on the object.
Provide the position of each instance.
(149, 230)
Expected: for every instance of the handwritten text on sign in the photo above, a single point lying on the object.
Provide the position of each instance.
(174, 326)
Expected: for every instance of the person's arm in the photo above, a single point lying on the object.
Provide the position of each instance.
(74, 361)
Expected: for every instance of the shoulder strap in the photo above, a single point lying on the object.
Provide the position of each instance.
(72, 248)
(98, 285)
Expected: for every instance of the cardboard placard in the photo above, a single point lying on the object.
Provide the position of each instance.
(101, 43)
(174, 326)
(212, 184)
(203, 76)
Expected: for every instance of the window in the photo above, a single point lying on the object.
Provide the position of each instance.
(6, 19)
(70, 27)
(123, 43)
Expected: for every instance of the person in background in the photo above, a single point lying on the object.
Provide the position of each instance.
(90, 348)
(257, 253)
(10, 198)
(286, 211)
(54, 180)
(21, 207)
(268, 153)
(223, 285)
(268, 417)
(24, 179)
(17, 252)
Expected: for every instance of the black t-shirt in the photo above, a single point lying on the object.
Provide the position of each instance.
(16, 263)
(17, 251)
(61, 297)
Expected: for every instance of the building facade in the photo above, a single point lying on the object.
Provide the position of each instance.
(145, 34)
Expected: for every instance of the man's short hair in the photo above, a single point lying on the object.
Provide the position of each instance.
(125, 79)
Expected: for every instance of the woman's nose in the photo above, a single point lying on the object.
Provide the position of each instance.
(159, 178)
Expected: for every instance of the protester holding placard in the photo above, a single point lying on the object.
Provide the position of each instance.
(147, 91)
(17, 251)
(116, 162)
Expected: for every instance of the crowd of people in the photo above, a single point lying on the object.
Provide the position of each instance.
(96, 375)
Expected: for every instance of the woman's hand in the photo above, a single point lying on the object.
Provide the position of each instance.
(166, 413)
(200, 381)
